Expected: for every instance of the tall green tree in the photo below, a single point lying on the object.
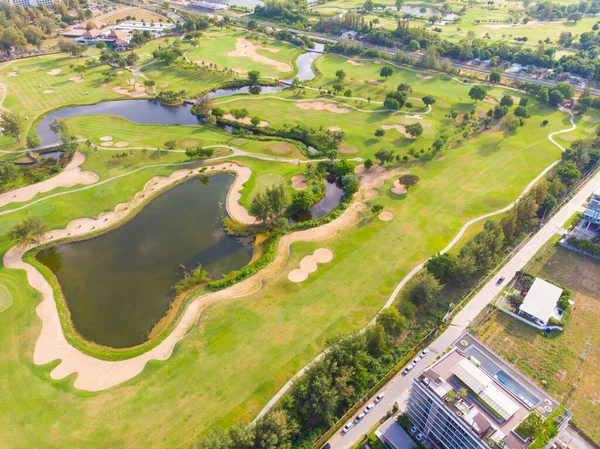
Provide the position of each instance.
(29, 231)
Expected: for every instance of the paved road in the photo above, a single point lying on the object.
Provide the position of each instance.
(397, 388)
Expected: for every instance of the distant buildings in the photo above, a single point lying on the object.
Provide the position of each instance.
(31, 3)
(591, 216)
(118, 36)
(211, 6)
(471, 399)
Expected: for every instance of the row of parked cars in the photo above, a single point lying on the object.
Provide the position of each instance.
(362, 414)
(418, 435)
(417, 359)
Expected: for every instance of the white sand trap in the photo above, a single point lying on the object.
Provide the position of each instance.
(425, 77)
(135, 89)
(69, 177)
(345, 149)
(334, 128)
(298, 182)
(353, 62)
(245, 48)
(48, 91)
(54, 72)
(321, 106)
(416, 117)
(398, 189)
(246, 120)
(106, 138)
(11, 74)
(121, 144)
(107, 144)
(400, 128)
(308, 264)
(385, 215)
(77, 79)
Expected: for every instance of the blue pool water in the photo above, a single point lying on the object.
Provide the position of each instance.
(514, 387)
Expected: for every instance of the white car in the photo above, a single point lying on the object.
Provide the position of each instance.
(416, 360)
(424, 352)
(348, 426)
(369, 407)
(406, 371)
(413, 429)
(379, 397)
(420, 436)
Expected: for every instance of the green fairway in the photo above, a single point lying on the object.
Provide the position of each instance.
(5, 298)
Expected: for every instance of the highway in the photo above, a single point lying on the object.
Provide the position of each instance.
(397, 389)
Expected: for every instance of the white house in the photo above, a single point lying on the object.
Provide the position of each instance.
(540, 304)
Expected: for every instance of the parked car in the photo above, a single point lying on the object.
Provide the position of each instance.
(359, 417)
(348, 426)
(379, 397)
(327, 446)
(406, 371)
(413, 429)
(424, 352)
(416, 360)
(500, 280)
(369, 407)
(420, 436)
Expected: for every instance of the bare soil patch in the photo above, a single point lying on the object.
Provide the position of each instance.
(77, 79)
(281, 148)
(309, 263)
(245, 48)
(48, 91)
(54, 72)
(322, 106)
(298, 182)
(400, 128)
(189, 143)
(334, 128)
(11, 74)
(425, 77)
(345, 149)
(245, 120)
(385, 215)
(353, 62)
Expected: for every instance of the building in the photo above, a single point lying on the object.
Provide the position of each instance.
(211, 6)
(31, 3)
(540, 303)
(90, 37)
(471, 399)
(155, 28)
(117, 39)
(591, 216)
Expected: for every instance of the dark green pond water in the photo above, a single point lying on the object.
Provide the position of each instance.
(118, 285)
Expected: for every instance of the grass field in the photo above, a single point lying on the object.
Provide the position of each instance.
(137, 14)
(570, 359)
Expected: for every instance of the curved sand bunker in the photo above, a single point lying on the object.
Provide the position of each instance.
(321, 106)
(48, 91)
(69, 177)
(77, 79)
(245, 120)
(245, 48)
(398, 189)
(107, 144)
(400, 128)
(135, 89)
(353, 62)
(425, 77)
(308, 264)
(121, 144)
(334, 128)
(54, 72)
(298, 182)
(106, 138)
(385, 215)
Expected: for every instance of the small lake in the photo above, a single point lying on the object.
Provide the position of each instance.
(333, 195)
(118, 285)
(428, 11)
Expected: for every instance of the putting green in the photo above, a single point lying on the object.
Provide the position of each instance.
(6, 299)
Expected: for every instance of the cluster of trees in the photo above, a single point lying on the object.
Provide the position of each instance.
(286, 12)
(170, 96)
(9, 175)
(200, 153)
(29, 231)
(269, 206)
(554, 96)
(554, 11)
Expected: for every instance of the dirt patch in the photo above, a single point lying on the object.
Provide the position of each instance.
(400, 128)
(121, 144)
(321, 106)
(374, 82)
(281, 148)
(77, 79)
(189, 143)
(308, 264)
(107, 144)
(398, 189)
(491, 100)
(353, 62)
(298, 182)
(48, 91)
(245, 120)
(106, 138)
(334, 128)
(416, 117)
(345, 149)
(120, 72)
(385, 215)
(425, 77)
(245, 48)
(54, 72)
(135, 89)
(11, 74)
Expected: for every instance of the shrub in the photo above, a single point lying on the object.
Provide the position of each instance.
(409, 180)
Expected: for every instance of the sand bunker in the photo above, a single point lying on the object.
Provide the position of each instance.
(106, 138)
(308, 264)
(398, 189)
(321, 106)
(353, 62)
(245, 48)
(299, 182)
(10, 74)
(373, 82)
(425, 77)
(107, 144)
(54, 72)
(77, 79)
(70, 176)
(121, 144)
(48, 91)
(135, 89)
(385, 215)
(416, 117)
(245, 120)
(334, 128)
(345, 149)
(400, 128)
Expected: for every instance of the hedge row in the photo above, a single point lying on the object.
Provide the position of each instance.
(584, 245)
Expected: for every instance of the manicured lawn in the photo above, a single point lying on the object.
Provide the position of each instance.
(138, 14)
(560, 362)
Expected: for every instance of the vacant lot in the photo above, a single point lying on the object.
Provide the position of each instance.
(565, 365)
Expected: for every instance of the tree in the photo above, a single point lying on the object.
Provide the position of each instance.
(131, 59)
(428, 100)
(302, 199)
(392, 322)
(9, 174)
(413, 45)
(351, 183)
(442, 266)
(100, 45)
(269, 205)
(379, 132)
(12, 125)
(506, 100)
(399, 4)
(368, 164)
(568, 173)
(170, 144)
(29, 231)
(149, 84)
(510, 124)
(414, 129)
(275, 430)
(409, 180)
(203, 106)
(368, 6)
(254, 77)
(377, 340)
(80, 69)
(431, 58)
(565, 89)
(255, 120)
(521, 111)
(375, 210)
(391, 103)
(425, 289)
(404, 87)
(495, 76)
(384, 156)
(477, 93)
(340, 75)
(386, 71)
(555, 97)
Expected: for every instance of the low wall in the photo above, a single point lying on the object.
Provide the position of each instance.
(520, 318)
(572, 248)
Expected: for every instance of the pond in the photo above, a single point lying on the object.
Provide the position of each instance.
(119, 285)
(423, 12)
(333, 195)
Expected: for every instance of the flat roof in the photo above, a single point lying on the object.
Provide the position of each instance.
(541, 300)
(392, 433)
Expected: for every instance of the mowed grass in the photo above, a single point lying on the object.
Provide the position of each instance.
(216, 44)
(5, 298)
(139, 14)
(563, 361)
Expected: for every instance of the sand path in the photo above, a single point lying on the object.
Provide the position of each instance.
(309, 264)
(245, 48)
(69, 177)
(95, 374)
